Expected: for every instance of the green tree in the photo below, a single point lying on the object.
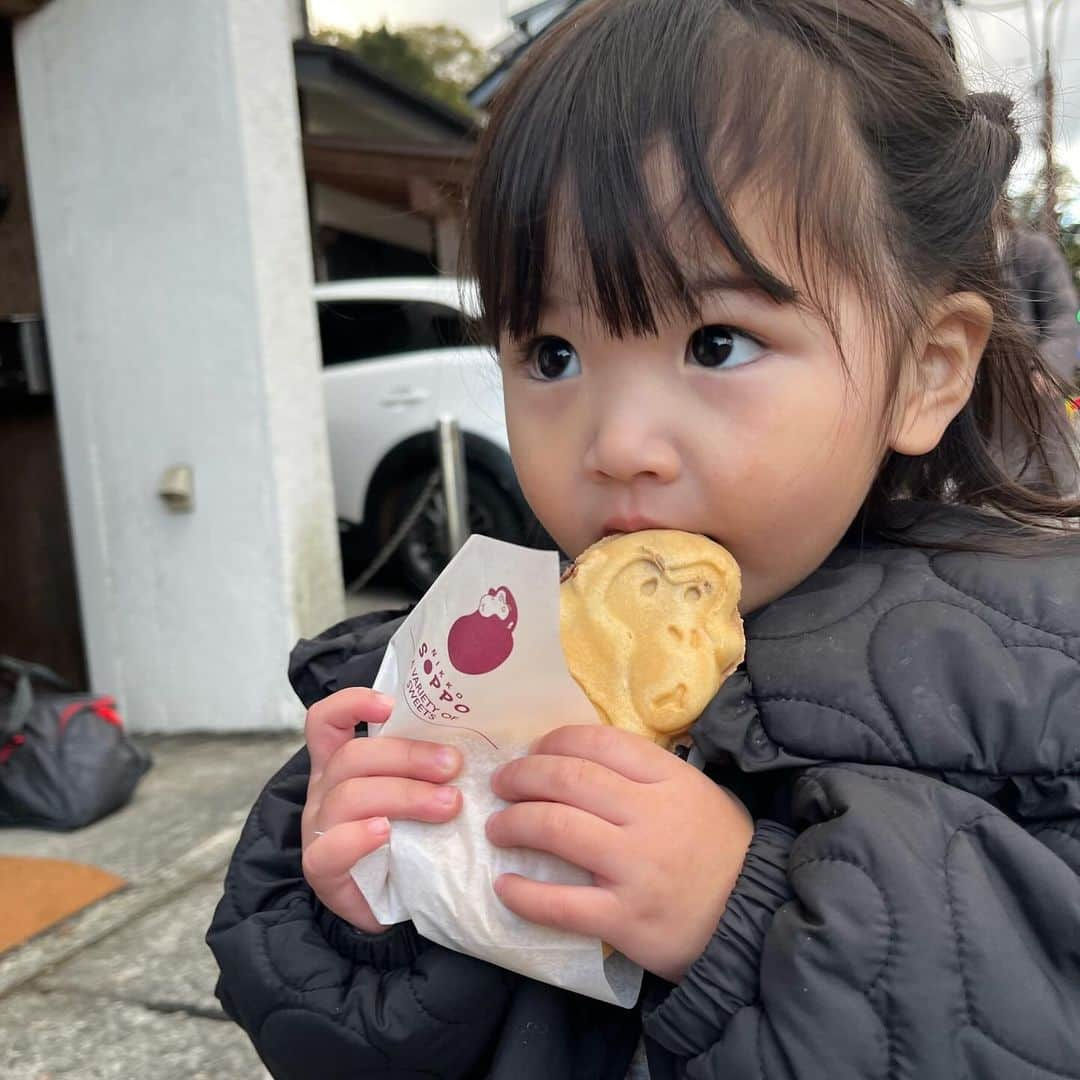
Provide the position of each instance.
(1070, 243)
(440, 60)
(453, 55)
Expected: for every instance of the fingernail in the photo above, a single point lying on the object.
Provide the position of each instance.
(379, 826)
(446, 758)
(386, 701)
(445, 795)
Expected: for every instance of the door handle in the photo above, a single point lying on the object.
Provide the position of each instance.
(404, 397)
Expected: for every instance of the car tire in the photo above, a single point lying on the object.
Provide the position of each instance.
(422, 555)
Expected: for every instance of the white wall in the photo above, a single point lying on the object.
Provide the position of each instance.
(162, 141)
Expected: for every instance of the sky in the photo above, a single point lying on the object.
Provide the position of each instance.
(484, 20)
(993, 36)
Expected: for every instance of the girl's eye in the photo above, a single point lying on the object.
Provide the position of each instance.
(552, 359)
(721, 346)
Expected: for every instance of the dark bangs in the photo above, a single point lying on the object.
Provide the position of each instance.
(566, 173)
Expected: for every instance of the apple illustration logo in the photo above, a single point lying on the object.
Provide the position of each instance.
(480, 642)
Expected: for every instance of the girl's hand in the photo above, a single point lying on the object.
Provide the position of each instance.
(663, 842)
(356, 787)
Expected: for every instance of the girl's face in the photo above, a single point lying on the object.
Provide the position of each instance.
(743, 425)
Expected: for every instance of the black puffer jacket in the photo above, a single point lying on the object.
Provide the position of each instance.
(906, 732)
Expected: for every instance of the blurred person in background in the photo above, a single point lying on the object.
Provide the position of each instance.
(1040, 285)
(1042, 296)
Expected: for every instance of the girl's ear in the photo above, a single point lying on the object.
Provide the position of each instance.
(940, 373)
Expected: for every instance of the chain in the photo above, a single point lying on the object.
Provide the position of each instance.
(399, 534)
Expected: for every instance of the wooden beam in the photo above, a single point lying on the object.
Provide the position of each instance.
(425, 196)
(12, 8)
(448, 163)
(411, 177)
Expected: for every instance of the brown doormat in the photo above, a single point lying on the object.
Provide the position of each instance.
(38, 893)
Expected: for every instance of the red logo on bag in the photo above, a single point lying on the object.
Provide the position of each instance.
(10, 747)
(479, 642)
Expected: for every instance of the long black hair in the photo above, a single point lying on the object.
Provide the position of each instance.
(852, 118)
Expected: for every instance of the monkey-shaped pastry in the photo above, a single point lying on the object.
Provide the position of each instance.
(650, 628)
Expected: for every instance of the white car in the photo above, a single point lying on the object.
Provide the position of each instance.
(397, 355)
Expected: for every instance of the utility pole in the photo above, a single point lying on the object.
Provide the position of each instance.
(1049, 222)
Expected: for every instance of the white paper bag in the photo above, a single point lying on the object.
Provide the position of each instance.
(478, 665)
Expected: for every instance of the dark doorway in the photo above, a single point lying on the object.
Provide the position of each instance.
(348, 255)
(39, 604)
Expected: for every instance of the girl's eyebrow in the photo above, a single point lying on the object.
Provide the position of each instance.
(719, 281)
(736, 281)
(702, 285)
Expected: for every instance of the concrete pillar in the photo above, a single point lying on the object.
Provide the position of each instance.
(162, 143)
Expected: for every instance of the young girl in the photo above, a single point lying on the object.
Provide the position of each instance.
(739, 257)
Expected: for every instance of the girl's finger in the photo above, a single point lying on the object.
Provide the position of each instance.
(333, 853)
(574, 781)
(388, 796)
(388, 756)
(331, 722)
(582, 909)
(574, 835)
(624, 752)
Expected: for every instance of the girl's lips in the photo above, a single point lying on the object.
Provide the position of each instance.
(614, 526)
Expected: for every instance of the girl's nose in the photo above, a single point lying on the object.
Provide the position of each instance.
(627, 446)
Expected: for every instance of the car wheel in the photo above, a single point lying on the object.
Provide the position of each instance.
(423, 555)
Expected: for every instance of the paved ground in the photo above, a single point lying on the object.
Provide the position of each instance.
(381, 599)
(124, 990)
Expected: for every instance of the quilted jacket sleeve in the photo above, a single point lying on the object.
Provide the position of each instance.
(320, 999)
(906, 928)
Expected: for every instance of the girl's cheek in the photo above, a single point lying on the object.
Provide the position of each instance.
(749, 406)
